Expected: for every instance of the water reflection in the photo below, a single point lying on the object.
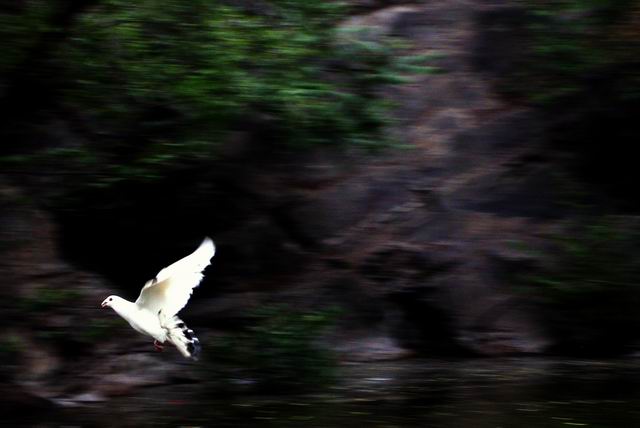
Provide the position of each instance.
(480, 393)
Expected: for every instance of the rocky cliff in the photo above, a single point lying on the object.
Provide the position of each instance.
(416, 245)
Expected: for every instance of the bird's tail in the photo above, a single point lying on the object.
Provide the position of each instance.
(183, 338)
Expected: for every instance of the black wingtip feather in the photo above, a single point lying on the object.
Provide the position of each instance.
(191, 341)
(194, 348)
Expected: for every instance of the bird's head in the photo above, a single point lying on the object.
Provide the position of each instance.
(109, 301)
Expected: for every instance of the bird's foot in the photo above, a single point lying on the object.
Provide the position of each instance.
(158, 346)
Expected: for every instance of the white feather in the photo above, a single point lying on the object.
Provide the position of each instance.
(171, 289)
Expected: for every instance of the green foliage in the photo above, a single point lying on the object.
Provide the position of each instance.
(97, 329)
(161, 86)
(211, 68)
(78, 336)
(592, 284)
(20, 30)
(573, 42)
(600, 255)
(47, 298)
(47, 301)
(11, 349)
(210, 62)
(280, 349)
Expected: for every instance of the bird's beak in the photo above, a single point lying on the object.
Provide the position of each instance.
(103, 305)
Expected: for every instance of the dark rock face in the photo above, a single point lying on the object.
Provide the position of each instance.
(419, 233)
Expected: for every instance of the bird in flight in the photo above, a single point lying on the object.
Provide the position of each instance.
(154, 312)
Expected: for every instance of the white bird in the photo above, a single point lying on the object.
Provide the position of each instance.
(154, 312)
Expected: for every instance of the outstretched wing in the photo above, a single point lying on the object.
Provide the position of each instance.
(171, 289)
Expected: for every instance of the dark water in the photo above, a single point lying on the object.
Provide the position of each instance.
(418, 393)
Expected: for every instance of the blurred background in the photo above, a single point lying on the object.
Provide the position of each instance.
(426, 213)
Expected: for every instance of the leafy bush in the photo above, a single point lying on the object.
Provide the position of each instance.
(574, 43)
(576, 61)
(279, 349)
(11, 350)
(19, 31)
(46, 298)
(591, 287)
(160, 86)
(41, 313)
